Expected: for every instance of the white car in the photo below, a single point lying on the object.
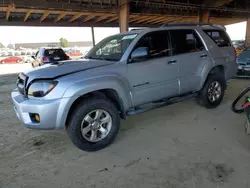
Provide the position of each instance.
(28, 59)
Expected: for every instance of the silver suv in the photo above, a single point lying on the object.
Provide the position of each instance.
(126, 74)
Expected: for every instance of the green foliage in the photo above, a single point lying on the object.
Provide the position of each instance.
(64, 43)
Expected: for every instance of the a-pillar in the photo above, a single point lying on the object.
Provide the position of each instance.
(124, 16)
(247, 41)
(204, 16)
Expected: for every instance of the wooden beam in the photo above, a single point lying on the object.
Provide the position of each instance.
(145, 19)
(153, 20)
(160, 20)
(27, 15)
(9, 9)
(45, 15)
(135, 18)
(89, 17)
(78, 15)
(111, 19)
(60, 16)
(101, 18)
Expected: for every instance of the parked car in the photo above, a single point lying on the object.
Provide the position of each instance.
(28, 59)
(142, 70)
(48, 55)
(243, 61)
(11, 60)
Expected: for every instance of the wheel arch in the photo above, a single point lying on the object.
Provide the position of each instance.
(219, 69)
(108, 93)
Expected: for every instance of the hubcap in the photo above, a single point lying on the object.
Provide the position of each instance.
(96, 125)
(214, 91)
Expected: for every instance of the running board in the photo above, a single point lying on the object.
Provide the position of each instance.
(174, 100)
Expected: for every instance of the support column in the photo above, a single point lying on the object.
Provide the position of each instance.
(247, 40)
(204, 16)
(124, 16)
(93, 35)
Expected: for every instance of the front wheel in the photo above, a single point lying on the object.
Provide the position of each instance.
(93, 124)
(212, 92)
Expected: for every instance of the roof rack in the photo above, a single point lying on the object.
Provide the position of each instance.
(186, 24)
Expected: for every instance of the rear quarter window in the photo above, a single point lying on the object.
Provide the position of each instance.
(219, 37)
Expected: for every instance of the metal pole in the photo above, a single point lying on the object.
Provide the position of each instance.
(93, 35)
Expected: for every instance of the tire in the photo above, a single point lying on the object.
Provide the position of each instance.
(207, 94)
(84, 109)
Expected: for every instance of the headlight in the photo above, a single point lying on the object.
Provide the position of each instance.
(41, 88)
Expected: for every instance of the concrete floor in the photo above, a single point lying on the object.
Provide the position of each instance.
(179, 146)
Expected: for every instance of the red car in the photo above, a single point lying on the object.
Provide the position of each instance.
(11, 60)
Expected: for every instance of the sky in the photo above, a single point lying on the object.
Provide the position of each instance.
(11, 34)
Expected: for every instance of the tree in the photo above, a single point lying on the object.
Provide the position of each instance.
(1, 45)
(64, 43)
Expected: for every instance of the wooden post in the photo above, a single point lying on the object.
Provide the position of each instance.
(204, 16)
(247, 40)
(124, 16)
(93, 36)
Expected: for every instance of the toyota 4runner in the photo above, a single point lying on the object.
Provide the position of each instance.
(126, 74)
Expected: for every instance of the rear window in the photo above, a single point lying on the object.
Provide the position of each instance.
(219, 37)
(54, 52)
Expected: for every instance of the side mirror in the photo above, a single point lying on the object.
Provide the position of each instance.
(140, 54)
(33, 57)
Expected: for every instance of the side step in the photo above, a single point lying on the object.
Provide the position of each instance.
(139, 110)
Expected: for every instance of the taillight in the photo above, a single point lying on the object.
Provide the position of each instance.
(67, 57)
(44, 59)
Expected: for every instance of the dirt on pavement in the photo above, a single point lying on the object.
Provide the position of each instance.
(179, 146)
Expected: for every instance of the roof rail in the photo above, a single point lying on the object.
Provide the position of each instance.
(186, 24)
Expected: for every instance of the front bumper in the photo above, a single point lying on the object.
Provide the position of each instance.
(51, 112)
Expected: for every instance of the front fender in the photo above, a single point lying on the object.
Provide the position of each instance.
(98, 83)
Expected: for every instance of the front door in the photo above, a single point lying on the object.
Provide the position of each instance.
(155, 77)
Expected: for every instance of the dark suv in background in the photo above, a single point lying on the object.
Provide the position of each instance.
(49, 55)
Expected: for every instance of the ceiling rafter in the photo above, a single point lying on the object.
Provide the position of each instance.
(76, 16)
(44, 16)
(60, 16)
(27, 15)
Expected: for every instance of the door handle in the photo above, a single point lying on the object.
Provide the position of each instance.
(203, 55)
(173, 61)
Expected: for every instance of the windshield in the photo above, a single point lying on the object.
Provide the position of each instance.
(111, 48)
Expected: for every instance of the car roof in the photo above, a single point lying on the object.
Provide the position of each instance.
(174, 26)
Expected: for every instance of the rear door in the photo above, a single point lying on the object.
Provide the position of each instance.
(190, 53)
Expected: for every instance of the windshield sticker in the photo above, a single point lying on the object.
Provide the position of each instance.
(129, 37)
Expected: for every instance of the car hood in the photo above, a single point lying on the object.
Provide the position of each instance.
(63, 68)
(244, 56)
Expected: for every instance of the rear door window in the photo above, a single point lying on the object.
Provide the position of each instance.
(185, 41)
(219, 37)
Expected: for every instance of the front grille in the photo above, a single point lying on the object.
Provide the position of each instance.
(21, 83)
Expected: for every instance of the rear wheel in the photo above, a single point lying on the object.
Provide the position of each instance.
(93, 124)
(212, 92)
